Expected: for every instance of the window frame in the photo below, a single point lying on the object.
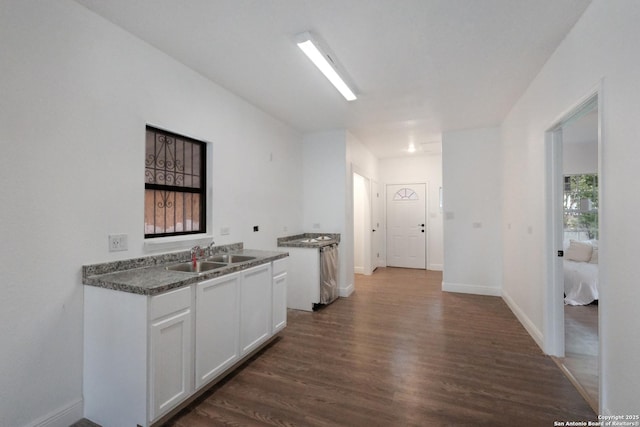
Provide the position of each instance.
(578, 213)
(201, 190)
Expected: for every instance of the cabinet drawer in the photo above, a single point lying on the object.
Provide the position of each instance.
(170, 302)
(279, 266)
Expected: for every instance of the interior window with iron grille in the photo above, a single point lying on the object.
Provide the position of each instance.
(175, 184)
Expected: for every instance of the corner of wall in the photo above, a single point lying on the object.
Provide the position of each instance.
(535, 333)
(62, 417)
(463, 288)
(346, 291)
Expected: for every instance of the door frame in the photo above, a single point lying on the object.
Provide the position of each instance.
(367, 244)
(377, 225)
(553, 297)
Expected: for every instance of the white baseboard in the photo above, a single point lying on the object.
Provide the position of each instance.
(345, 292)
(524, 320)
(471, 289)
(435, 267)
(358, 270)
(62, 417)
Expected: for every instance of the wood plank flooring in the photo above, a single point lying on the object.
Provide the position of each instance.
(581, 349)
(398, 352)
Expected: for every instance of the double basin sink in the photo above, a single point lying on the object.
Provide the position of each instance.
(212, 263)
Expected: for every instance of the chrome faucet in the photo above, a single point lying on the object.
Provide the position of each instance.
(194, 254)
(210, 248)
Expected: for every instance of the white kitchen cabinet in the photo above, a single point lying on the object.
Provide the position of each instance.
(255, 307)
(279, 296)
(137, 355)
(303, 287)
(115, 357)
(170, 355)
(144, 356)
(217, 326)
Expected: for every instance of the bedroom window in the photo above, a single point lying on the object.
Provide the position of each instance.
(174, 184)
(581, 207)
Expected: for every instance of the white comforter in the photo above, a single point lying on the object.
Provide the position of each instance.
(580, 282)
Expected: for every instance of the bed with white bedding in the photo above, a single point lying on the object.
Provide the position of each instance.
(581, 272)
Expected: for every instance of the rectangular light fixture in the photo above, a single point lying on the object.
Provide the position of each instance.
(323, 61)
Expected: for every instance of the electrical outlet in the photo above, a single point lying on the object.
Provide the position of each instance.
(316, 226)
(118, 242)
(224, 231)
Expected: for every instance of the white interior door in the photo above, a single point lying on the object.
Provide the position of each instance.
(406, 225)
(361, 225)
(376, 226)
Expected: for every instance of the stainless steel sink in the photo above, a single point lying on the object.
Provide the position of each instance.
(230, 258)
(200, 267)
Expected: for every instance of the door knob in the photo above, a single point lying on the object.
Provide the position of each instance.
(421, 225)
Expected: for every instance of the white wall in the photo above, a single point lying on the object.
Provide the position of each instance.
(420, 169)
(602, 47)
(329, 160)
(76, 93)
(472, 210)
(325, 196)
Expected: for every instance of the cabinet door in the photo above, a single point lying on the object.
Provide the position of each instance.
(217, 326)
(279, 303)
(171, 374)
(303, 271)
(255, 311)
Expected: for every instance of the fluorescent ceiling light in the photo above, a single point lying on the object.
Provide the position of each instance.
(321, 60)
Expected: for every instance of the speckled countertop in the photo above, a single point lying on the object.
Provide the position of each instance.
(306, 240)
(149, 276)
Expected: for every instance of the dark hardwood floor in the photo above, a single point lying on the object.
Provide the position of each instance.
(581, 349)
(398, 352)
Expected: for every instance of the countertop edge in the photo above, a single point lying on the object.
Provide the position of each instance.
(296, 240)
(129, 280)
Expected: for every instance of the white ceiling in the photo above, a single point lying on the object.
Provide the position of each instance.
(420, 67)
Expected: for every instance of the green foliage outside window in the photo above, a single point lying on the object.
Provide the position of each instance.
(581, 204)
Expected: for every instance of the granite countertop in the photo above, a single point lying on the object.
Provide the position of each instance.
(309, 240)
(149, 276)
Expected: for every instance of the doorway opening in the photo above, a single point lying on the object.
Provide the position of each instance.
(366, 224)
(571, 302)
(361, 224)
